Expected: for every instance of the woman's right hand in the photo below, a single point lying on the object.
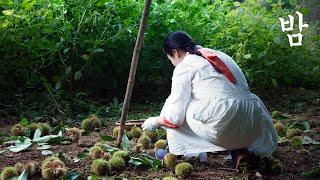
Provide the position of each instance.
(151, 124)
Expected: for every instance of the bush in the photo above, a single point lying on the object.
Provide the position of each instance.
(61, 53)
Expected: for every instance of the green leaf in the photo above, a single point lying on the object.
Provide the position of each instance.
(125, 144)
(58, 85)
(99, 50)
(101, 3)
(20, 146)
(8, 12)
(135, 161)
(85, 57)
(277, 40)
(28, 4)
(306, 125)
(304, 10)
(274, 83)
(308, 140)
(23, 175)
(106, 137)
(93, 177)
(156, 164)
(47, 138)
(270, 63)
(44, 146)
(293, 2)
(236, 3)
(5, 24)
(269, 1)
(37, 134)
(24, 122)
(72, 175)
(108, 147)
(314, 173)
(146, 160)
(80, 156)
(77, 75)
(247, 56)
(65, 51)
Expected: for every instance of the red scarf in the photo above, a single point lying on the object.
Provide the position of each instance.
(218, 64)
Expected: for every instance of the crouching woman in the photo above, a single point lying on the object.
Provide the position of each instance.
(210, 107)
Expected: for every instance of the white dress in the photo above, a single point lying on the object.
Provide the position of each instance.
(213, 114)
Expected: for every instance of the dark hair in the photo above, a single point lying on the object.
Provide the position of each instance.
(180, 40)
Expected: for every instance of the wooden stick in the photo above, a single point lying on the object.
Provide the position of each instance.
(132, 74)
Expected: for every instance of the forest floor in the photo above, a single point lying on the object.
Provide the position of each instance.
(299, 108)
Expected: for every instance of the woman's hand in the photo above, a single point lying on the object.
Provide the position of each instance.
(151, 124)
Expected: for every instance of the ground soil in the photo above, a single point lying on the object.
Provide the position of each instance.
(296, 104)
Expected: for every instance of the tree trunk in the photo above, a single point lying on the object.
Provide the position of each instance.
(133, 69)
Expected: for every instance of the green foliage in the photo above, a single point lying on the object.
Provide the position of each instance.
(125, 143)
(276, 153)
(147, 161)
(313, 173)
(277, 167)
(252, 35)
(64, 53)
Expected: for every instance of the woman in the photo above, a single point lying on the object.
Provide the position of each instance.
(210, 107)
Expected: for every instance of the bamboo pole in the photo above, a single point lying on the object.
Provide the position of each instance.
(132, 74)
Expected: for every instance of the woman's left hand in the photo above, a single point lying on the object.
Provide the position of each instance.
(150, 124)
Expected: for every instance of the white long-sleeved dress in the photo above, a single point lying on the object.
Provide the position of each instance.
(213, 114)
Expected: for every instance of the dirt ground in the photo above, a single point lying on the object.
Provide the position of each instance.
(296, 105)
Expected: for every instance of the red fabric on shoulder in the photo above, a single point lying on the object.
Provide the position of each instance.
(216, 62)
(168, 124)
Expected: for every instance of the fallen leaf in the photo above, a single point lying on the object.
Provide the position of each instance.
(308, 140)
